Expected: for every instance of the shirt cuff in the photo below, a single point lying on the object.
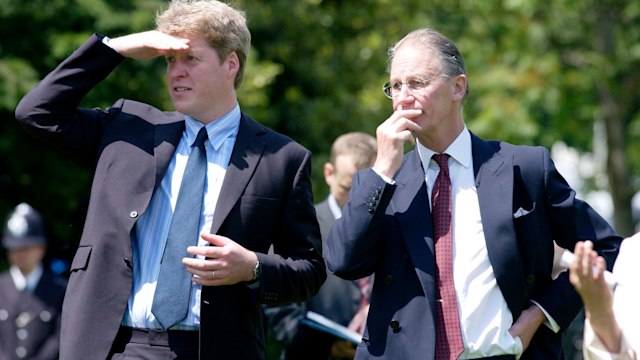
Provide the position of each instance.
(384, 177)
(549, 321)
(106, 40)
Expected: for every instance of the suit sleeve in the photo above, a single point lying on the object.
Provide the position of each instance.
(50, 111)
(351, 245)
(297, 270)
(571, 220)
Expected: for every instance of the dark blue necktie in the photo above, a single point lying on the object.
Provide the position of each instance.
(171, 299)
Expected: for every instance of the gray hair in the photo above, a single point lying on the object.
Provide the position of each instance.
(449, 54)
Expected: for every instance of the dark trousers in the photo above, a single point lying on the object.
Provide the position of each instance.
(139, 344)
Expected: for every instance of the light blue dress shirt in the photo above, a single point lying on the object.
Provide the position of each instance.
(150, 235)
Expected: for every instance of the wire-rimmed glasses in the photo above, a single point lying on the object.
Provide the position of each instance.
(391, 90)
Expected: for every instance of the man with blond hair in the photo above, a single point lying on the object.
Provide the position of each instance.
(173, 262)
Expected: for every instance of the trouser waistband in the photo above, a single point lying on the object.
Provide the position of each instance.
(159, 337)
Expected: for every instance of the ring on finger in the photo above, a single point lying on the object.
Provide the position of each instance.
(213, 274)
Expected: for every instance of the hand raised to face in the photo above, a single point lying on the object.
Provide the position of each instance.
(391, 136)
(148, 44)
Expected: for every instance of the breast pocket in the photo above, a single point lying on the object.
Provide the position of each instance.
(81, 259)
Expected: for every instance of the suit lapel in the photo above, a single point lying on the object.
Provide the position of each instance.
(244, 160)
(410, 206)
(494, 182)
(167, 137)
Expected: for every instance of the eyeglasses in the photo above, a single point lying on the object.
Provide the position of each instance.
(391, 90)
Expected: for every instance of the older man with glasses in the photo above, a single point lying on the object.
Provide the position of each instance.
(459, 232)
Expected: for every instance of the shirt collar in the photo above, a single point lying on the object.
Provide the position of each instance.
(218, 130)
(29, 282)
(334, 207)
(459, 150)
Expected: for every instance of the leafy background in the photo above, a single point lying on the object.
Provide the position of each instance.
(540, 73)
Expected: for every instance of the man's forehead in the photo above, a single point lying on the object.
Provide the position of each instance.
(414, 60)
(197, 45)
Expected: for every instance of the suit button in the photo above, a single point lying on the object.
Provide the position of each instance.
(133, 214)
(394, 324)
(21, 352)
(23, 319)
(45, 316)
(531, 279)
(388, 280)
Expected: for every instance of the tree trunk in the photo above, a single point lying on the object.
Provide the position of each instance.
(614, 118)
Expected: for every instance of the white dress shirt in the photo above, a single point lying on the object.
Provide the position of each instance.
(26, 283)
(485, 317)
(334, 207)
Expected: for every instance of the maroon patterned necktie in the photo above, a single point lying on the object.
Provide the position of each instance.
(448, 337)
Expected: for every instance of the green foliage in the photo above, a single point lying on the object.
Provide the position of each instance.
(537, 71)
(16, 78)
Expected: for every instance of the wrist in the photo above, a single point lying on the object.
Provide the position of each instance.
(256, 271)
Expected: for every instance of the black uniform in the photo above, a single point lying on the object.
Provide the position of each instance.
(30, 323)
(29, 317)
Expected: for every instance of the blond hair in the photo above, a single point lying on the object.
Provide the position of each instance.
(224, 27)
(360, 146)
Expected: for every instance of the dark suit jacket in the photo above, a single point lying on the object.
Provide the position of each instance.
(387, 230)
(265, 199)
(338, 300)
(31, 321)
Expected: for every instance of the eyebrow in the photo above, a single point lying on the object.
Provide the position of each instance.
(414, 77)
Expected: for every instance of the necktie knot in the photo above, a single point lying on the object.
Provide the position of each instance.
(200, 138)
(443, 161)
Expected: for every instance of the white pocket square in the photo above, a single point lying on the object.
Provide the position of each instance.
(522, 212)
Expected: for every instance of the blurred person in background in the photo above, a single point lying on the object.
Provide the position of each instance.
(612, 318)
(31, 294)
(345, 302)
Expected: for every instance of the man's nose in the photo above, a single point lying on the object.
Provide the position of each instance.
(404, 96)
(176, 69)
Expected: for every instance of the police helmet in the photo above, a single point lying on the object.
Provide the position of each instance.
(23, 227)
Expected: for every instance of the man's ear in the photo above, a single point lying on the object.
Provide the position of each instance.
(460, 87)
(233, 63)
(329, 173)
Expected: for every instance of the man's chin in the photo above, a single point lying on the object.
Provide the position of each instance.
(181, 107)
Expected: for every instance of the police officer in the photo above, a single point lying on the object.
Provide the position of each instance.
(30, 294)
